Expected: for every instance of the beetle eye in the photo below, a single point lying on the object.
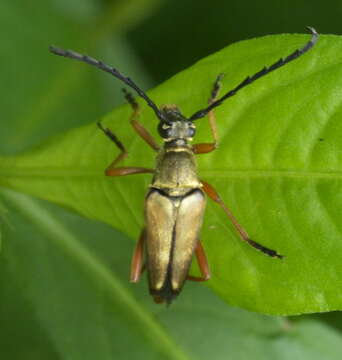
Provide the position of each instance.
(164, 129)
(191, 132)
(191, 129)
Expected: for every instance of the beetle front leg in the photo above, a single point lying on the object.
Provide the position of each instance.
(137, 266)
(211, 192)
(138, 127)
(202, 264)
(208, 147)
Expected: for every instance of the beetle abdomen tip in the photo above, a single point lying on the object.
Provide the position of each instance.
(164, 295)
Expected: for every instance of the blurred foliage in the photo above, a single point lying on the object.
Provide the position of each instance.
(190, 30)
(48, 311)
(40, 96)
(72, 295)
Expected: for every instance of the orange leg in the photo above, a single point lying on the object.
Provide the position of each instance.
(208, 147)
(211, 192)
(202, 263)
(122, 171)
(137, 266)
(138, 127)
(117, 142)
(203, 148)
(112, 170)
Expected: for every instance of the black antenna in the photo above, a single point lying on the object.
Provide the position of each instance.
(99, 64)
(281, 62)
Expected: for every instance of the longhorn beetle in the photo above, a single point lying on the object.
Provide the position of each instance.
(175, 201)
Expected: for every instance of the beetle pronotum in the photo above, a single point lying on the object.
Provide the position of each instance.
(175, 201)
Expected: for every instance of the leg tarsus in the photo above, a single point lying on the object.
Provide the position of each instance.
(264, 249)
(112, 137)
(216, 88)
(131, 99)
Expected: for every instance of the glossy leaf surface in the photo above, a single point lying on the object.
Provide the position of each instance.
(278, 168)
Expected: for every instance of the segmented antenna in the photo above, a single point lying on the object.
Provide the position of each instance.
(99, 64)
(281, 62)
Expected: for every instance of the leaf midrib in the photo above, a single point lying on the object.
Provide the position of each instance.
(46, 172)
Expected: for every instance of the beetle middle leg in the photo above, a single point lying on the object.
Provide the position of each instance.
(211, 192)
(138, 127)
(204, 148)
(112, 170)
(202, 264)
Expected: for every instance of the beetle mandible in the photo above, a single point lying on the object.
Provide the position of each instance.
(175, 201)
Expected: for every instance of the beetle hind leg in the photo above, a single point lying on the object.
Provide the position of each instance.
(211, 192)
(137, 266)
(202, 264)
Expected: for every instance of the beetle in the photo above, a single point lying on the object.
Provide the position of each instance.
(175, 201)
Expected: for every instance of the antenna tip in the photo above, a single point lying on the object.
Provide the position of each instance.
(314, 35)
(312, 30)
(55, 50)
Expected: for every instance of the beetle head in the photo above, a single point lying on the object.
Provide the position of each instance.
(175, 126)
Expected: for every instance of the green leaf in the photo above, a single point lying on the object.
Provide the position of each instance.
(278, 168)
(65, 295)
